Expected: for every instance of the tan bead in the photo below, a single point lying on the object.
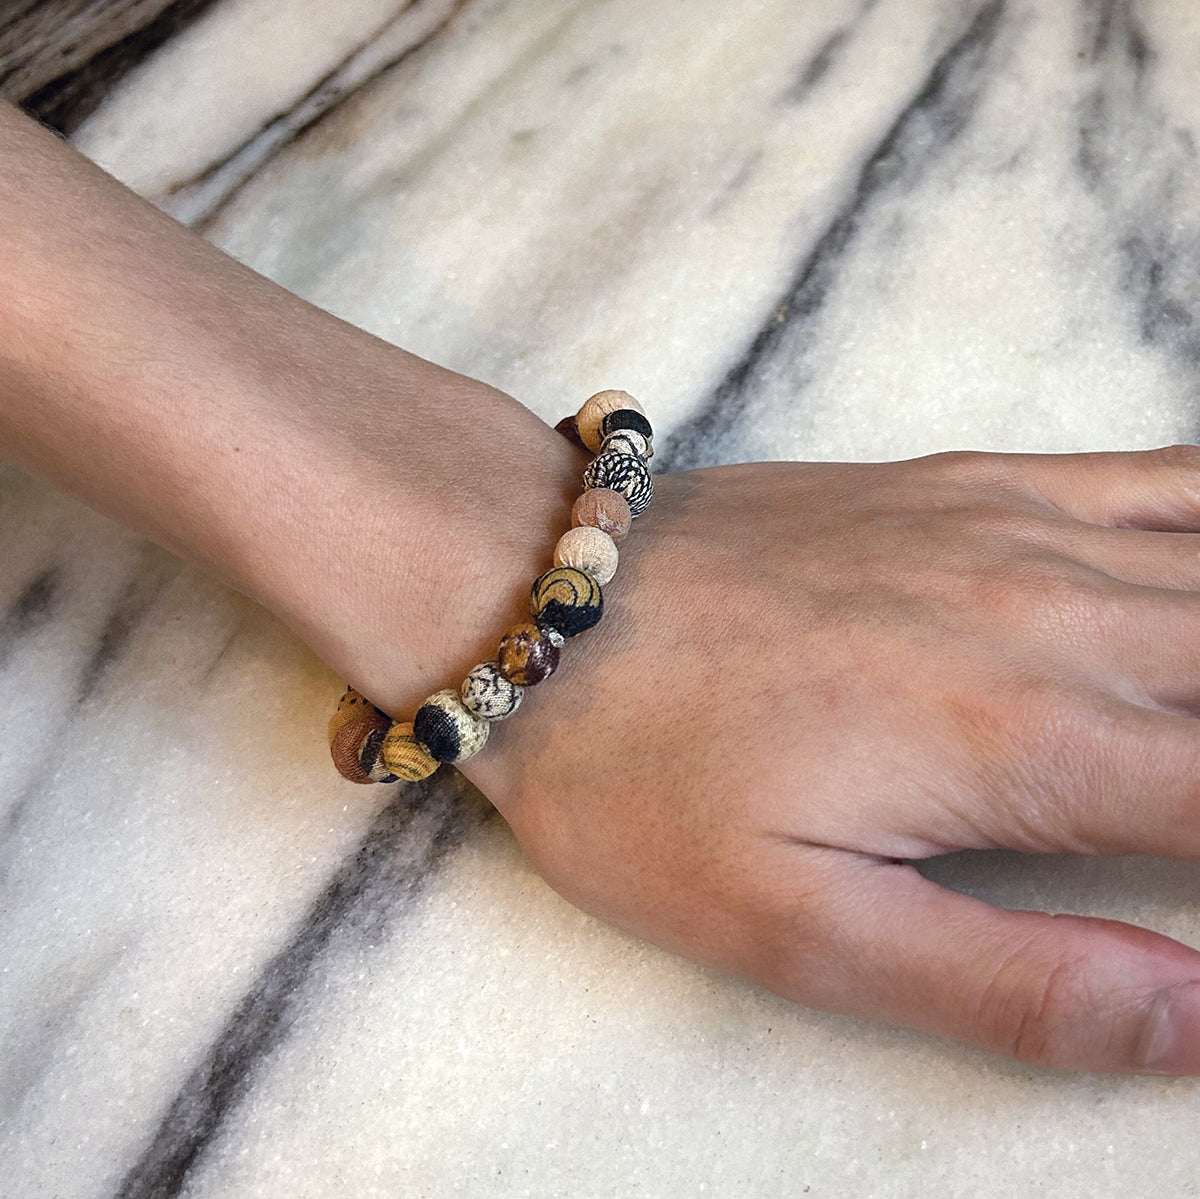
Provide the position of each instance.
(603, 509)
(595, 409)
(589, 549)
(404, 756)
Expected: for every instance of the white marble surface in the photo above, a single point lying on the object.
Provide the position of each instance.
(850, 229)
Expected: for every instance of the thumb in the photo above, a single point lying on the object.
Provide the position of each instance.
(1062, 991)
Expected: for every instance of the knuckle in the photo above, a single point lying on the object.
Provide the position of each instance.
(1043, 596)
(1179, 456)
(999, 526)
(968, 467)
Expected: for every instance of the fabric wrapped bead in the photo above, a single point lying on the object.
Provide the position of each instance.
(625, 473)
(354, 749)
(528, 653)
(595, 409)
(603, 509)
(403, 755)
(633, 419)
(567, 599)
(489, 693)
(627, 441)
(570, 430)
(448, 729)
(351, 706)
(370, 759)
(588, 549)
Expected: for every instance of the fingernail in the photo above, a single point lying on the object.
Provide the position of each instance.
(1170, 1039)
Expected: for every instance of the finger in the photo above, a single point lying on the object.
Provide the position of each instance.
(1061, 991)
(1140, 489)
(1142, 644)
(1136, 786)
(1150, 559)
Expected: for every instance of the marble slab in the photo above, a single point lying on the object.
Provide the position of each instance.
(858, 229)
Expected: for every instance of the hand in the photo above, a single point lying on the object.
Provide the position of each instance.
(808, 673)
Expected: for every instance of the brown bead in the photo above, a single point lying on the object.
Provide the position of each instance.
(603, 509)
(527, 655)
(346, 745)
(569, 428)
(351, 706)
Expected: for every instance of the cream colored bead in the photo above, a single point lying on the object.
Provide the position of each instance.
(447, 729)
(596, 408)
(588, 548)
(489, 693)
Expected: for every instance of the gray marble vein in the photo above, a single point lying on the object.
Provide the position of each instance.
(363, 900)
(924, 129)
(854, 229)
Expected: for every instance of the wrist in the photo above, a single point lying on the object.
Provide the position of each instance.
(409, 534)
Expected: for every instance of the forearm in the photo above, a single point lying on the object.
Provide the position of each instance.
(286, 451)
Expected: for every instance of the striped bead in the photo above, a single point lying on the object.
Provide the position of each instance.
(448, 729)
(489, 693)
(528, 654)
(603, 509)
(403, 755)
(625, 473)
(588, 549)
(627, 441)
(595, 409)
(567, 599)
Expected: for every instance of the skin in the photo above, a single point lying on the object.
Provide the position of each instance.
(811, 674)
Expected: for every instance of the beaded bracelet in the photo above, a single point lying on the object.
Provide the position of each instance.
(452, 725)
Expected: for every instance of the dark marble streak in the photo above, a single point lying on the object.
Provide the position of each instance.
(1150, 209)
(64, 56)
(155, 572)
(13, 815)
(932, 121)
(370, 892)
(36, 605)
(817, 67)
(30, 1040)
(323, 99)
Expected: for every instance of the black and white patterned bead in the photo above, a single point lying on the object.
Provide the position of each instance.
(488, 693)
(627, 441)
(626, 473)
